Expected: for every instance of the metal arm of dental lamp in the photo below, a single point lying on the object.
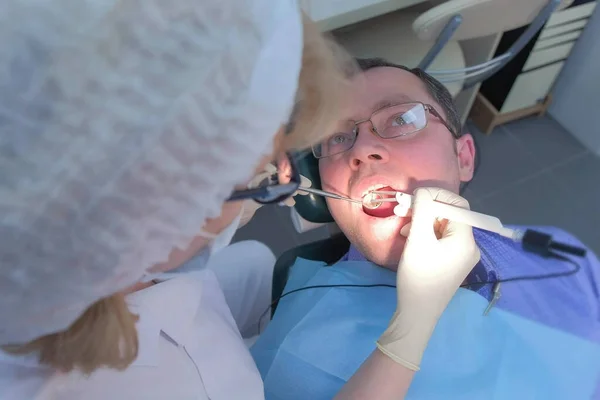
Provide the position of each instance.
(479, 73)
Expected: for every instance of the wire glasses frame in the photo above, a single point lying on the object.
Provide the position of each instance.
(409, 118)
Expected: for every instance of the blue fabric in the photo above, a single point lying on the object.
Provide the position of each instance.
(569, 303)
(319, 337)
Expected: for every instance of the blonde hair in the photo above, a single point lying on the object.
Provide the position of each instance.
(322, 87)
(105, 335)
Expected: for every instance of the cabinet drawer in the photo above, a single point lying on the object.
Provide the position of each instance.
(548, 55)
(555, 40)
(562, 29)
(531, 87)
(571, 14)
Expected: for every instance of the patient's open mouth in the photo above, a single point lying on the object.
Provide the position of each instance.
(378, 209)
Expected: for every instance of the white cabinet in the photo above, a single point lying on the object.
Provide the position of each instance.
(531, 88)
(523, 87)
(547, 58)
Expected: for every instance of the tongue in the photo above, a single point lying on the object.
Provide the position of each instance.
(385, 209)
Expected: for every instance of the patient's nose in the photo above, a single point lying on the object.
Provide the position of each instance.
(368, 148)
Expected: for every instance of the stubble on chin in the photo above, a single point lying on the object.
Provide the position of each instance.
(382, 248)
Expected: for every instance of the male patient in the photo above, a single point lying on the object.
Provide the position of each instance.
(401, 132)
(434, 153)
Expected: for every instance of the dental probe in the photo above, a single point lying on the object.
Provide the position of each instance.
(328, 194)
(448, 211)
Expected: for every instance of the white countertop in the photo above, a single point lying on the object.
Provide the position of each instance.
(333, 14)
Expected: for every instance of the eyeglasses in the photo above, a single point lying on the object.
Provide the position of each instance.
(395, 121)
(269, 189)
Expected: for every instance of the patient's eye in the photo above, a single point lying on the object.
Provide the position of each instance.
(399, 120)
(339, 138)
(402, 120)
(338, 142)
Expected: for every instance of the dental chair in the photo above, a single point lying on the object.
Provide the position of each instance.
(428, 40)
(312, 208)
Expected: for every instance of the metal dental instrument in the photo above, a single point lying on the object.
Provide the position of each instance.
(454, 213)
(327, 194)
(375, 198)
(384, 192)
(495, 298)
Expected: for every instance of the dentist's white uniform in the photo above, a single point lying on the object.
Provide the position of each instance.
(190, 345)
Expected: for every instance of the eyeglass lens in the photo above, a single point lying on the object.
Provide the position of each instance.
(390, 122)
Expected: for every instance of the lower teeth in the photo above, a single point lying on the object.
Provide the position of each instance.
(370, 201)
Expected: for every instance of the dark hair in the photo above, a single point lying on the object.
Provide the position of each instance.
(435, 89)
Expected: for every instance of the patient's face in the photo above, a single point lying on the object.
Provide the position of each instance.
(432, 157)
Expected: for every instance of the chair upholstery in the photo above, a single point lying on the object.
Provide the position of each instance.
(314, 209)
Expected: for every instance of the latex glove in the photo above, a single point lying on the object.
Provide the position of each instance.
(285, 170)
(437, 258)
(271, 169)
(250, 206)
(305, 182)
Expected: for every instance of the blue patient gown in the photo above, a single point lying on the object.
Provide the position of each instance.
(320, 337)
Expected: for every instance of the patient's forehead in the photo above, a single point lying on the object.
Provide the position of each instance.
(382, 85)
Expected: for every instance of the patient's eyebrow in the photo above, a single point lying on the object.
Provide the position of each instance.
(390, 101)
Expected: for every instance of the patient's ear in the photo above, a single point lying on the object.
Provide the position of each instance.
(465, 150)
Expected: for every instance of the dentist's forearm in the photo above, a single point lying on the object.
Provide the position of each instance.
(378, 378)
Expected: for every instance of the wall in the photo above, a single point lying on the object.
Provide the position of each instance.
(390, 36)
(576, 94)
(333, 14)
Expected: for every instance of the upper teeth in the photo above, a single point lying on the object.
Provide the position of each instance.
(373, 189)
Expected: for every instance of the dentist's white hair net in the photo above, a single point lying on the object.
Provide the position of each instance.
(124, 125)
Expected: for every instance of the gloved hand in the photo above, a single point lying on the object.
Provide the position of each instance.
(437, 258)
(250, 206)
(284, 170)
(305, 182)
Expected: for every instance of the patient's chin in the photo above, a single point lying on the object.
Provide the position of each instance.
(393, 257)
(378, 239)
(385, 254)
(383, 244)
(384, 229)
